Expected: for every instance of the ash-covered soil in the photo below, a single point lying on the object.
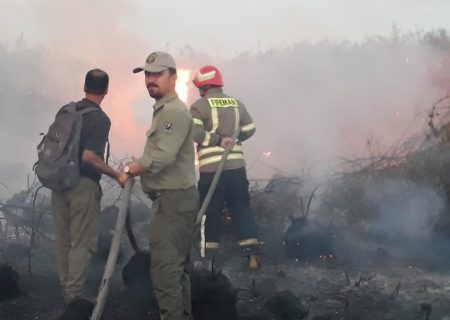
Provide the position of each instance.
(328, 292)
(365, 294)
(376, 250)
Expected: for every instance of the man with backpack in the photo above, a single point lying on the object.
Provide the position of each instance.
(76, 192)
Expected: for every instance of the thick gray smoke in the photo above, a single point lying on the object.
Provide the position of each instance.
(311, 102)
(31, 88)
(396, 225)
(404, 208)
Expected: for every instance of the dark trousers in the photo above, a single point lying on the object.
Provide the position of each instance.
(231, 192)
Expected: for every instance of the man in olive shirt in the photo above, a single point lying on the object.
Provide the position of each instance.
(167, 175)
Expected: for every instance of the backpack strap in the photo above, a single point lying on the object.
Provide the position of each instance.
(72, 108)
(108, 151)
(87, 110)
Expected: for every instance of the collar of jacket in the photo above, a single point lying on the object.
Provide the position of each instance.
(167, 98)
(214, 90)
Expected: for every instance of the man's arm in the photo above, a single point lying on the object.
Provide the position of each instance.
(202, 137)
(94, 160)
(135, 170)
(97, 132)
(167, 148)
(248, 127)
(173, 127)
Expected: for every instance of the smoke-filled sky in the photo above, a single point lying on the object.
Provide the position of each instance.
(216, 27)
(319, 77)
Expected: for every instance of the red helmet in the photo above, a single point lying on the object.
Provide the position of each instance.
(208, 75)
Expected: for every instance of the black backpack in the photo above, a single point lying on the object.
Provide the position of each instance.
(57, 167)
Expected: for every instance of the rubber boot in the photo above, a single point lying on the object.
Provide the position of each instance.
(206, 263)
(253, 262)
(252, 254)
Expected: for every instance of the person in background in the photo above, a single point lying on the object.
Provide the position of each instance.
(216, 117)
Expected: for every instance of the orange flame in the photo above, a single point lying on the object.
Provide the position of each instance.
(127, 134)
(182, 86)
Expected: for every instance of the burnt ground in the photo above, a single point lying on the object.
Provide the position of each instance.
(370, 295)
(329, 292)
(374, 275)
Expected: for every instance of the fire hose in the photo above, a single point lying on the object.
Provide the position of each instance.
(114, 251)
(123, 220)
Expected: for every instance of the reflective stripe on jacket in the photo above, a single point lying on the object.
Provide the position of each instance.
(217, 115)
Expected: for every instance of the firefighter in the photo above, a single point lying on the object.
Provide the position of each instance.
(216, 117)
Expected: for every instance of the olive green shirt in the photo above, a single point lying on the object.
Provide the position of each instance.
(168, 159)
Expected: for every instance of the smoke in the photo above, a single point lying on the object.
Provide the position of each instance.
(37, 79)
(312, 101)
(404, 209)
(400, 228)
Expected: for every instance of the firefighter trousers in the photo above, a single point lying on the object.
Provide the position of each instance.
(231, 192)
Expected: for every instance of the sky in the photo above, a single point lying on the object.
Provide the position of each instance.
(217, 27)
(322, 100)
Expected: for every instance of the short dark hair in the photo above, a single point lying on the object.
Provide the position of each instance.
(96, 82)
(172, 71)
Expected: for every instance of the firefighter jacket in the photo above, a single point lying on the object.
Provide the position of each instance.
(217, 115)
(168, 159)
